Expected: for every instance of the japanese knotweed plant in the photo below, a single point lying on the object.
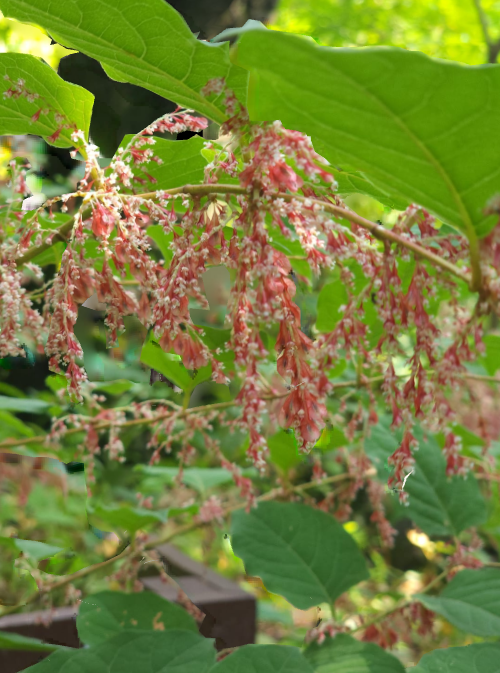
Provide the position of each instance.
(405, 305)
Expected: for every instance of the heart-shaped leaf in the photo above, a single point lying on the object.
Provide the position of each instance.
(299, 552)
(422, 130)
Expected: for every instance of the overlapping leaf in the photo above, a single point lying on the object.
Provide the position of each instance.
(147, 44)
(422, 130)
(69, 100)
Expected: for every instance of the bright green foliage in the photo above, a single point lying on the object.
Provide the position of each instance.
(471, 601)
(299, 552)
(479, 658)
(103, 615)
(71, 101)
(345, 654)
(423, 130)
(183, 164)
(439, 28)
(147, 44)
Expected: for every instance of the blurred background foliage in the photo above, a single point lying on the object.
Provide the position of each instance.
(51, 507)
(450, 29)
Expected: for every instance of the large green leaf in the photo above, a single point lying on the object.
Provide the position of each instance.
(103, 615)
(438, 504)
(147, 44)
(421, 129)
(471, 601)
(264, 659)
(129, 652)
(344, 654)
(478, 658)
(69, 100)
(183, 164)
(299, 552)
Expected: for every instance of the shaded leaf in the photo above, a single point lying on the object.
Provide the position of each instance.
(436, 502)
(471, 601)
(104, 614)
(264, 659)
(345, 653)
(478, 658)
(299, 552)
